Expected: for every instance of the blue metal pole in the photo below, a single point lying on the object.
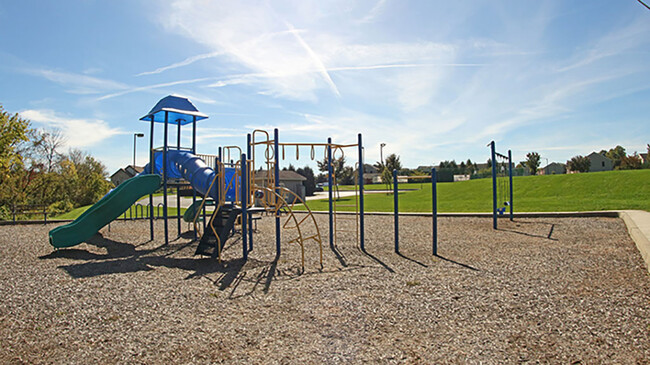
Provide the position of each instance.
(396, 206)
(361, 208)
(434, 205)
(164, 177)
(194, 153)
(510, 172)
(494, 185)
(178, 188)
(152, 170)
(250, 221)
(276, 149)
(329, 192)
(244, 202)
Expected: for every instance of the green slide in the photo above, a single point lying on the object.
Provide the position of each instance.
(104, 211)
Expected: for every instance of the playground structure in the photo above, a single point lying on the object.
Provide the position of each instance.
(502, 194)
(231, 187)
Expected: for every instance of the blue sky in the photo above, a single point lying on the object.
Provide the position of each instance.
(434, 80)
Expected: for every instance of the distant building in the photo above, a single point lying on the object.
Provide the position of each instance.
(599, 162)
(288, 179)
(125, 173)
(371, 174)
(554, 168)
(461, 178)
(644, 157)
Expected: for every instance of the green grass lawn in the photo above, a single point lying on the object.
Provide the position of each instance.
(611, 190)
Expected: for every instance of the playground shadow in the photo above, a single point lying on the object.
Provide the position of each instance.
(547, 236)
(121, 258)
(456, 263)
(411, 259)
(377, 260)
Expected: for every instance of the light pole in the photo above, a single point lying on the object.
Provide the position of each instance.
(381, 152)
(135, 135)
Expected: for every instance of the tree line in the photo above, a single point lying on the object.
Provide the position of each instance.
(35, 170)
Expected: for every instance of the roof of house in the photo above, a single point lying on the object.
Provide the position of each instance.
(120, 170)
(137, 169)
(597, 154)
(284, 175)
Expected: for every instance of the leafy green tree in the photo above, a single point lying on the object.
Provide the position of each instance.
(579, 164)
(632, 162)
(616, 154)
(310, 183)
(532, 162)
(393, 163)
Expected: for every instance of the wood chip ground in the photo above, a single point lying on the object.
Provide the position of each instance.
(569, 290)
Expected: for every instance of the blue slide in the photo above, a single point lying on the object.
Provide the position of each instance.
(180, 164)
(185, 165)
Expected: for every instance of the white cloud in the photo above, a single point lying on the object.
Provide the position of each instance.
(77, 132)
(185, 62)
(79, 83)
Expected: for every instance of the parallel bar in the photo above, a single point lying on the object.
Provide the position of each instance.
(434, 206)
(361, 209)
(276, 136)
(164, 176)
(244, 198)
(396, 206)
(151, 168)
(510, 171)
(494, 185)
(330, 191)
(250, 223)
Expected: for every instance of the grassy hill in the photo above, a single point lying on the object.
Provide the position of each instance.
(611, 190)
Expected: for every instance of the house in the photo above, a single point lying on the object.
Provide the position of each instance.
(599, 162)
(288, 179)
(371, 174)
(644, 157)
(125, 173)
(554, 168)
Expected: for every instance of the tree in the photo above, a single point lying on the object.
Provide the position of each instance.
(393, 163)
(310, 183)
(338, 168)
(616, 154)
(632, 162)
(579, 164)
(532, 162)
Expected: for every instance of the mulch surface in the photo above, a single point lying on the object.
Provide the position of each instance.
(559, 290)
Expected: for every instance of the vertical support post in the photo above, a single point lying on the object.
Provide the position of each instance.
(152, 170)
(178, 188)
(434, 205)
(250, 221)
(194, 153)
(220, 155)
(396, 207)
(164, 177)
(361, 208)
(330, 186)
(244, 203)
(494, 185)
(276, 149)
(510, 177)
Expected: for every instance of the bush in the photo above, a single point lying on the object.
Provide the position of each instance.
(60, 207)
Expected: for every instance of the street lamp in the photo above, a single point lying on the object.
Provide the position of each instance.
(381, 152)
(136, 135)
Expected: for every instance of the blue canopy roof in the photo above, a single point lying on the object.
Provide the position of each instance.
(180, 111)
